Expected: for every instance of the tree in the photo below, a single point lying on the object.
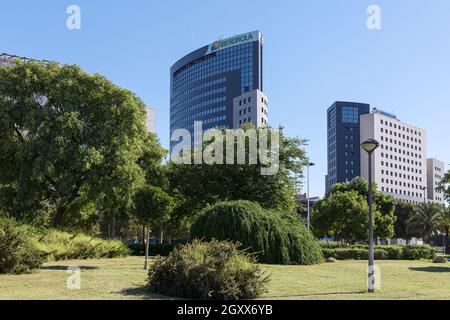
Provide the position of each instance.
(67, 139)
(344, 213)
(403, 211)
(444, 186)
(445, 224)
(426, 220)
(153, 207)
(199, 185)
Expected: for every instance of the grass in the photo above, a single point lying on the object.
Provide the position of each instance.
(124, 278)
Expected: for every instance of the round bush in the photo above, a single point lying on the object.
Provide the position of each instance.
(274, 238)
(17, 254)
(214, 270)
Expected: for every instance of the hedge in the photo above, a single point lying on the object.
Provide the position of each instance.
(138, 249)
(381, 253)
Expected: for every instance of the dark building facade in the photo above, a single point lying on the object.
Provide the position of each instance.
(343, 132)
(204, 83)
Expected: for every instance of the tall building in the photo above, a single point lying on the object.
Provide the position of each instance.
(204, 83)
(344, 141)
(435, 173)
(399, 165)
(151, 119)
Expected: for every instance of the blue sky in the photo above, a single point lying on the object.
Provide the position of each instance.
(316, 52)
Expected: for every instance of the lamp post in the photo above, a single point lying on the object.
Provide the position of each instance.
(307, 201)
(370, 146)
(424, 193)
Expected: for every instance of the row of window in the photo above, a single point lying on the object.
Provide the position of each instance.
(390, 140)
(179, 96)
(199, 114)
(400, 159)
(396, 166)
(400, 127)
(401, 192)
(233, 58)
(401, 151)
(401, 184)
(210, 121)
(197, 97)
(176, 116)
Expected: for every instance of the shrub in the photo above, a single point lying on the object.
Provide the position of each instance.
(138, 249)
(17, 254)
(215, 270)
(419, 252)
(333, 244)
(59, 245)
(361, 252)
(273, 237)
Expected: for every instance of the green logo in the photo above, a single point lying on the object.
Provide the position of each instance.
(231, 41)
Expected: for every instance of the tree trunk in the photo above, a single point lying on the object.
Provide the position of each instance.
(161, 234)
(57, 220)
(143, 236)
(146, 249)
(447, 244)
(113, 228)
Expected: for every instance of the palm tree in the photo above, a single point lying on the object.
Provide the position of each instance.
(426, 220)
(445, 224)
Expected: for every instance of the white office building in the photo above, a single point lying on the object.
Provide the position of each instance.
(435, 173)
(400, 164)
(151, 119)
(251, 107)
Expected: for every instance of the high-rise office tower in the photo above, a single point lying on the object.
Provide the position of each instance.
(204, 83)
(343, 130)
(399, 164)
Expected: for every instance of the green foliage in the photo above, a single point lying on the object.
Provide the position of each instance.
(152, 206)
(17, 254)
(59, 245)
(444, 186)
(138, 249)
(344, 212)
(215, 270)
(275, 238)
(403, 212)
(361, 252)
(68, 140)
(198, 185)
(419, 252)
(426, 220)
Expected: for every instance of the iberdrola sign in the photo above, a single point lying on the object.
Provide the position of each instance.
(243, 38)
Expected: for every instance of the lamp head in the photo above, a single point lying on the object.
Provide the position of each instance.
(370, 145)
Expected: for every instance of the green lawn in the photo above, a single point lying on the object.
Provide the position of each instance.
(124, 278)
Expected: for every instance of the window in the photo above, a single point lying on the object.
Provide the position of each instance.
(350, 115)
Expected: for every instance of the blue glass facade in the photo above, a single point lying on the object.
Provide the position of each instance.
(343, 125)
(204, 83)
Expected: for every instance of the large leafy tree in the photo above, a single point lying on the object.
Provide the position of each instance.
(199, 185)
(403, 211)
(344, 212)
(426, 220)
(68, 140)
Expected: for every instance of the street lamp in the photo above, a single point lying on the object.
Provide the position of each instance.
(370, 146)
(424, 193)
(307, 201)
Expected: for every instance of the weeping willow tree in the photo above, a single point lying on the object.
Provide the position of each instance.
(274, 237)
